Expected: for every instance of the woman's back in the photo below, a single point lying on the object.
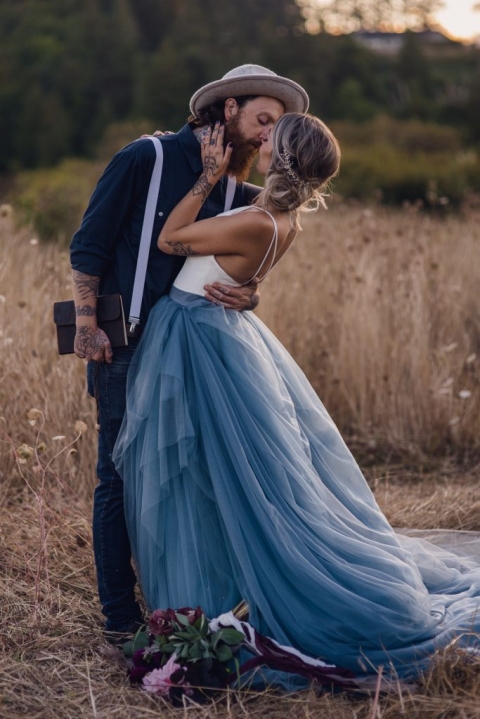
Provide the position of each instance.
(201, 270)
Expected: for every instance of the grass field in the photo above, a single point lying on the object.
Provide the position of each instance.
(381, 310)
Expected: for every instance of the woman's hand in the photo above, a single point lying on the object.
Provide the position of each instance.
(159, 133)
(214, 157)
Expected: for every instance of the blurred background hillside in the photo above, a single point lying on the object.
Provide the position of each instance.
(81, 78)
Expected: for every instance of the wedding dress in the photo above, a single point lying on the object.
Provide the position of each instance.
(238, 485)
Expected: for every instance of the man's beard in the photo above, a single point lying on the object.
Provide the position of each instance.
(244, 152)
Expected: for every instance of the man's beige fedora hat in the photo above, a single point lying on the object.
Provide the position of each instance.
(251, 80)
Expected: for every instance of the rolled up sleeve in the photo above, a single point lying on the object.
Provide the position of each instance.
(93, 245)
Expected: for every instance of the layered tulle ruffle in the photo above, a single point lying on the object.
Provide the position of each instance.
(239, 486)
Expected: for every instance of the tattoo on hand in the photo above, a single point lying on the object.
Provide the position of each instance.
(85, 311)
(179, 249)
(87, 285)
(202, 135)
(210, 166)
(88, 342)
(202, 187)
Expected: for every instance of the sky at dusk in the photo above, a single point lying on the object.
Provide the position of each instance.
(459, 18)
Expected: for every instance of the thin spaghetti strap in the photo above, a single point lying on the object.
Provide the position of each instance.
(273, 244)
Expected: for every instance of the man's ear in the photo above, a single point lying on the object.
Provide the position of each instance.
(231, 108)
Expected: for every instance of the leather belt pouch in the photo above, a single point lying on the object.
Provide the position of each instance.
(110, 318)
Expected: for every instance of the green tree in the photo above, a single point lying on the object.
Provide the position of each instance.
(350, 102)
(415, 82)
(66, 71)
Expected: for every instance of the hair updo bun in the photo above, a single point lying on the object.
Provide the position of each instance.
(305, 156)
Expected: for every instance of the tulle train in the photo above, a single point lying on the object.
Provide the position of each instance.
(239, 486)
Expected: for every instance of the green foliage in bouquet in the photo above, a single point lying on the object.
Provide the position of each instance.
(179, 654)
(190, 642)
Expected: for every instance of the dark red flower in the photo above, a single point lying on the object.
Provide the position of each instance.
(136, 674)
(138, 659)
(161, 621)
(139, 666)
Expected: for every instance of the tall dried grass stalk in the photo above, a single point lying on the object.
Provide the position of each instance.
(381, 309)
(32, 375)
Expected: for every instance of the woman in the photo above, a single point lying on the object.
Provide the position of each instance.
(238, 484)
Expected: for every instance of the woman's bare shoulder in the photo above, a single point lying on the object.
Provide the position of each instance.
(252, 221)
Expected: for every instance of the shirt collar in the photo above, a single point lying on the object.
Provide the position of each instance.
(191, 147)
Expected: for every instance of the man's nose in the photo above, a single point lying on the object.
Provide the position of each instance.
(263, 136)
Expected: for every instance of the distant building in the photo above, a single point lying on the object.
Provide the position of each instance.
(385, 43)
(390, 43)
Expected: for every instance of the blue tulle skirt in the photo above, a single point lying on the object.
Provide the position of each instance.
(239, 486)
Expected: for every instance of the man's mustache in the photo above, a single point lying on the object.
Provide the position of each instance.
(252, 143)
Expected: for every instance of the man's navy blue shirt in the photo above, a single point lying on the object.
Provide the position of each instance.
(107, 243)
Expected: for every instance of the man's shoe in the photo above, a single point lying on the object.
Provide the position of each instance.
(118, 639)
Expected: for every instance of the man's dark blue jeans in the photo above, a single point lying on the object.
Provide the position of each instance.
(115, 575)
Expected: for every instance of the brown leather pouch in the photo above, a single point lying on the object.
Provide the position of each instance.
(110, 318)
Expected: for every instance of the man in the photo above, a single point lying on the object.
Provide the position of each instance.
(249, 100)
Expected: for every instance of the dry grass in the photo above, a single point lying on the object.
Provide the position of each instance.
(55, 665)
(381, 309)
(362, 296)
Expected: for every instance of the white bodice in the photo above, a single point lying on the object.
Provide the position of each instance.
(199, 271)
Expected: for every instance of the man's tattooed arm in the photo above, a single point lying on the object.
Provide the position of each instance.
(85, 311)
(180, 249)
(90, 341)
(85, 291)
(86, 286)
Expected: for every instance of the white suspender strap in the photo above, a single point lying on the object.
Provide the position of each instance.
(230, 193)
(147, 229)
(146, 237)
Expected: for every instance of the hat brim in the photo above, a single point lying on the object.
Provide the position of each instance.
(291, 95)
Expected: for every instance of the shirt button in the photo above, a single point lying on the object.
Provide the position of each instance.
(160, 214)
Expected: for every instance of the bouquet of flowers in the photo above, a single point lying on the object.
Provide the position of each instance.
(179, 651)
(183, 653)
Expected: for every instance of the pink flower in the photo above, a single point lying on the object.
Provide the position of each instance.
(159, 681)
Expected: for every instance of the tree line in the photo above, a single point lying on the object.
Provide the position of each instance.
(71, 68)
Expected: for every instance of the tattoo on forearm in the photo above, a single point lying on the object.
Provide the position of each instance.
(86, 285)
(202, 187)
(179, 249)
(85, 311)
(88, 342)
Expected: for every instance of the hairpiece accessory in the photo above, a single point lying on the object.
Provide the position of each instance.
(287, 164)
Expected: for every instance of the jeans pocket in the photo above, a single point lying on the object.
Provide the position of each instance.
(122, 356)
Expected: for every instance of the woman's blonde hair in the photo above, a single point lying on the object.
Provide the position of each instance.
(305, 156)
